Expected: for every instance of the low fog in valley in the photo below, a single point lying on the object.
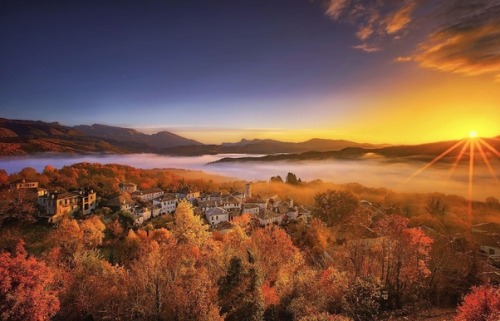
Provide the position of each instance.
(372, 172)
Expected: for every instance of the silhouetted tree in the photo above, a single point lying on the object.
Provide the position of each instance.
(291, 178)
(276, 179)
(435, 207)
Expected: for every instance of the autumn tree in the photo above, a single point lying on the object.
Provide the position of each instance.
(240, 294)
(17, 205)
(93, 231)
(29, 173)
(334, 207)
(68, 236)
(405, 254)
(4, 177)
(325, 317)
(276, 256)
(482, 304)
(189, 228)
(314, 292)
(456, 267)
(364, 299)
(312, 239)
(26, 288)
(435, 207)
(94, 289)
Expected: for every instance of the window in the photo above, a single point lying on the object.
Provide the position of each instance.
(492, 251)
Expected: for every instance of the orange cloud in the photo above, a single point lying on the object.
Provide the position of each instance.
(468, 44)
(336, 8)
(398, 20)
(404, 59)
(364, 32)
(372, 25)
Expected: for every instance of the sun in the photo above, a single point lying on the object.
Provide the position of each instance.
(476, 147)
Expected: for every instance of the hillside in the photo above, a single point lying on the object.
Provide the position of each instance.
(423, 152)
(163, 139)
(23, 137)
(267, 146)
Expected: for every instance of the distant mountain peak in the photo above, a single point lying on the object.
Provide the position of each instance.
(163, 139)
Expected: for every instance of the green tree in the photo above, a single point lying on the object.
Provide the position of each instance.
(240, 293)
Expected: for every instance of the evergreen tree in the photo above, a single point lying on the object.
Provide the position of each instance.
(240, 293)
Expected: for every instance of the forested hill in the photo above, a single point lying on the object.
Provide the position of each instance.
(268, 146)
(423, 152)
(23, 137)
(163, 139)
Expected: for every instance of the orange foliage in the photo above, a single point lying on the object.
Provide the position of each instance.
(482, 304)
(25, 288)
(270, 295)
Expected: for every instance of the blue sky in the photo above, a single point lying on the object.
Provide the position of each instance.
(219, 69)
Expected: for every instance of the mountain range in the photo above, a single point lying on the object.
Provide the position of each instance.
(24, 137)
(422, 152)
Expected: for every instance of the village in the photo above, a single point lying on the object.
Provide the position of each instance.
(215, 207)
(218, 209)
(123, 219)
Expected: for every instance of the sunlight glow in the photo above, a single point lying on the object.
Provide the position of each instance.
(472, 145)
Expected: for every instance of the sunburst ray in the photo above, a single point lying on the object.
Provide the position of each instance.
(471, 179)
(486, 161)
(443, 154)
(458, 159)
(487, 145)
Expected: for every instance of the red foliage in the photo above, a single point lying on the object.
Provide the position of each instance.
(482, 304)
(270, 295)
(25, 292)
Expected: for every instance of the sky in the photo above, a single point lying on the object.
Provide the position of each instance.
(385, 71)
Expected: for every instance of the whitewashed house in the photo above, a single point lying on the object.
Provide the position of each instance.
(267, 217)
(127, 187)
(168, 203)
(216, 215)
(231, 203)
(148, 195)
(251, 209)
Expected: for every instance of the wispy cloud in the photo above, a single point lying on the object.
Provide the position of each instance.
(364, 32)
(336, 8)
(374, 20)
(468, 41)
(404, 58)
(367, 47)
(400, 19)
